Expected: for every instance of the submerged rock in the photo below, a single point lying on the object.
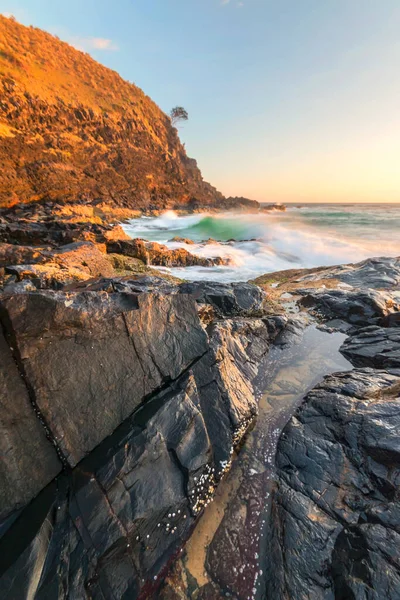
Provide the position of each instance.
(335, 528)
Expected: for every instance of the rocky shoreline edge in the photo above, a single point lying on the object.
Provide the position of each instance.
(125, 393)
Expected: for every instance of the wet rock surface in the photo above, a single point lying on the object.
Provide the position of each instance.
(126, 503)
(358, 308)
(110, 524)
(374, 273)
(374, 347)
(91, 358)
(226, 554)
(338, 468)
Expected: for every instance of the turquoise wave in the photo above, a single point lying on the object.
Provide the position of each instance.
(222, 229)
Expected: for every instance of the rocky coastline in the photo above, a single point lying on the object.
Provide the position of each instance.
(128, 394)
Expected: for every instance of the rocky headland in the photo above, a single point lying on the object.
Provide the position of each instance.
(165, 439)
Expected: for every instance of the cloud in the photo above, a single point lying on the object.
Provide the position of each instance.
(94, 43)
(102, 44)
(239, 4)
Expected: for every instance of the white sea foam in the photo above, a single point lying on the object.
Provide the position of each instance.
(260, 243)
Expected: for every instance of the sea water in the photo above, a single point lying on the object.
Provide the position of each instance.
(303, 236)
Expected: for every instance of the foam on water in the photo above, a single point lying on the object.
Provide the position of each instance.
(259, 243)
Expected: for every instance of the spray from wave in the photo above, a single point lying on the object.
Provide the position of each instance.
(260, 243)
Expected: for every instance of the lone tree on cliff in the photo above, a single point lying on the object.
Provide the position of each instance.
(178, 114)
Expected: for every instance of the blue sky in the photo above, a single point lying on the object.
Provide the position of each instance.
(289, 100)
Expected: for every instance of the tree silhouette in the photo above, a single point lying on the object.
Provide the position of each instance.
(178, 114)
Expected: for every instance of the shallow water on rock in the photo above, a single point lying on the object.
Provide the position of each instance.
(228, 548)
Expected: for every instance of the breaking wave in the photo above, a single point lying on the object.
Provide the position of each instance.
(265, 242)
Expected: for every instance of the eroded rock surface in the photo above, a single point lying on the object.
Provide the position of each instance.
(91, 358)
(374, 347)
(228, 299)
(359, 308)
(28, 460)
(145, 409)
(335, 529)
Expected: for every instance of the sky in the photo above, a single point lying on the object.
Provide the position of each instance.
(288, 100)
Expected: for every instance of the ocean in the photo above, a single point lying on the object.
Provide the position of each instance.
(304, 236)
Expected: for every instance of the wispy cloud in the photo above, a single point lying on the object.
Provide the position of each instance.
(93, 43)
(102, 44)
(238, 4)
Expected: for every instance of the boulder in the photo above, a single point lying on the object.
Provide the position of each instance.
(376, 273)
(59, 267)
(28, 460)
(228, 299)
(359, 308)
(335, 517)
(92, 357)
(20, 255)
(111, 526)
(373, 347)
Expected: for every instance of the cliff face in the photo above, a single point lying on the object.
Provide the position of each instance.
(71, 129)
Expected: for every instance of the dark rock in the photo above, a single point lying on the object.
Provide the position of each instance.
(55, 233)
(112, 526)
(228, 299)
(392, 320)
(335, 522)
(376, 273)
(275, 206)
(358, 308)
(92, 357)
(377, 347)
(130, 285)
(28, 460)
(240, 203)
